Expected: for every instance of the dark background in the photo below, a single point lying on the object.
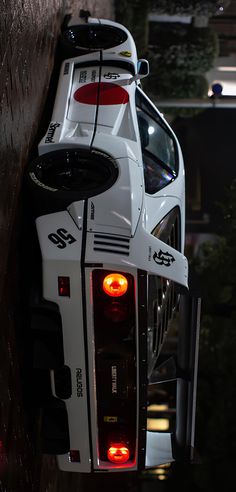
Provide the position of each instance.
(209, 148)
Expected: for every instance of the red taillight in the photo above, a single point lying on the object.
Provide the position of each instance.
(115, 284)
(118, 453)
(64, 286)
(74, 456)
(116, 312)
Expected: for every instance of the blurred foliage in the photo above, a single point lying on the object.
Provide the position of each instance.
(216, 268)
(180, 55)
(195, 51)
(188, 7)
(133, 14)
(175, 51)
(216, 393)
(176, 84)
(216, 261)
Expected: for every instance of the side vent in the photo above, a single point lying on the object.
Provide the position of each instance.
(111, 244)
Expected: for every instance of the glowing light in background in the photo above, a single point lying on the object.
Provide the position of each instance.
(158, 424)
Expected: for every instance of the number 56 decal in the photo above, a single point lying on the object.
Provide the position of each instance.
(61, 238)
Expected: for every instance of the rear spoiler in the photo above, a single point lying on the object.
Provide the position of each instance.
(164, 447)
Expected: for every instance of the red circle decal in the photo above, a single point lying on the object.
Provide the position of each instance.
(104, 93)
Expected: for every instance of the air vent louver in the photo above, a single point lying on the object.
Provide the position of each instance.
(111, 244)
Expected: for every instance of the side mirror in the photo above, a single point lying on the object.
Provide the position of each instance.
(143, 71)
(143, 68)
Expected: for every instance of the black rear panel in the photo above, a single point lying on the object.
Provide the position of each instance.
(116, 365)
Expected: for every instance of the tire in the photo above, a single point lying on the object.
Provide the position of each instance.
(59, 178)
(82, 39)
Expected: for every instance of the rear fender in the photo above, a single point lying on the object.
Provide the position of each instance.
(144, 252)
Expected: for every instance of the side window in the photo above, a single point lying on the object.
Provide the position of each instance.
(169, 229)
(158, 147)
(162, 302)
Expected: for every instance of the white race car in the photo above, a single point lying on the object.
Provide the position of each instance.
(109, 190)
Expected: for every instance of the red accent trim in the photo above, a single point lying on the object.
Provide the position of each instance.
(64, 286)
(109, 94)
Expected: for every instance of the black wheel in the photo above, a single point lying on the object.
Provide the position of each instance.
(78, 40)
(59, 178)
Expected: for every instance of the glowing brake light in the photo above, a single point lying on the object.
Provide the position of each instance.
(115, 284)
(118, 453)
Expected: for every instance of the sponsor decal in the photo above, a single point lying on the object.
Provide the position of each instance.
(51, 132)
(92, 211)
(111, 75)
(149, 253)
(39, 183)
(114, 380)
(165, 259)
(108, 418)
(83, 76)
(93, 75)
(61, 238)
(79, 382)
(127, 54)
(66, 68)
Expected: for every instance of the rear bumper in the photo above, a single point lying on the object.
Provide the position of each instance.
(91, 396)
(69, 251)
(68, 261)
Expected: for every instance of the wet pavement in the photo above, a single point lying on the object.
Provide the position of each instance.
(18, 463)
(29, 32)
